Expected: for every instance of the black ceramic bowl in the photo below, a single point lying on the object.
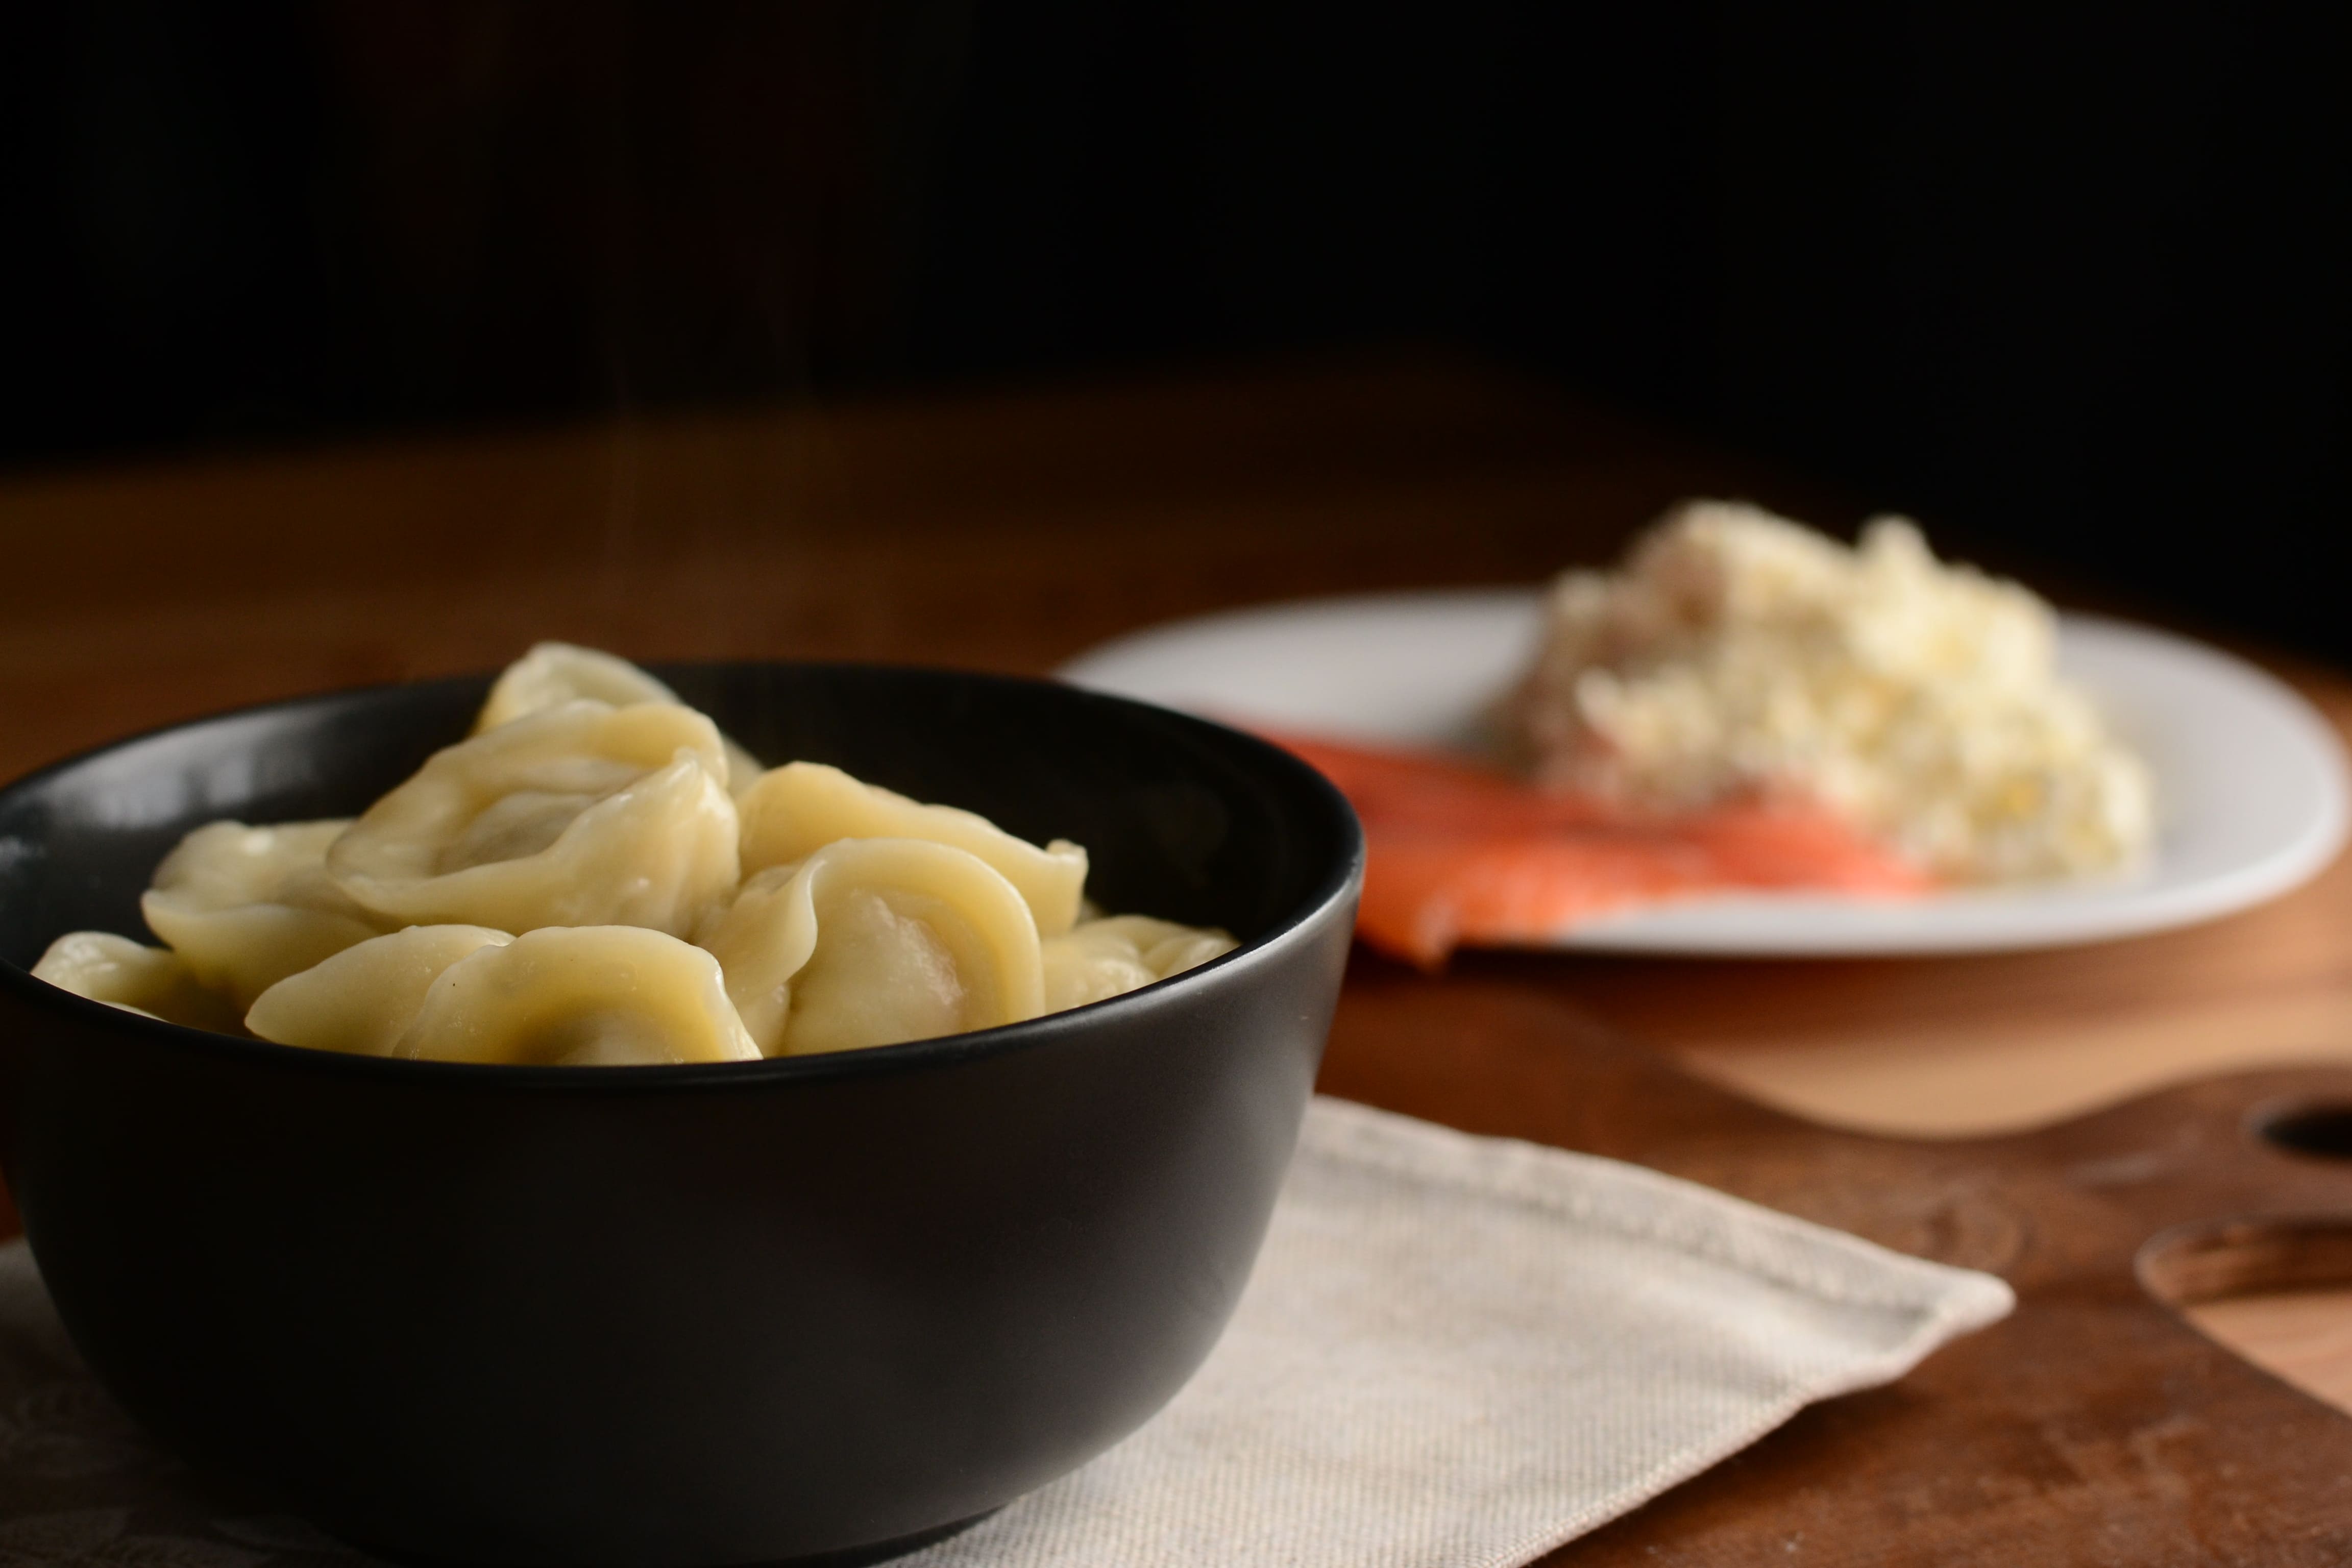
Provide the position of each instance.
(693, 1315)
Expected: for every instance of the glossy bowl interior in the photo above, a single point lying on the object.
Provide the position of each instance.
(693, 1315)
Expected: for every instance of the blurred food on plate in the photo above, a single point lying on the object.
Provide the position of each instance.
(1746, 704)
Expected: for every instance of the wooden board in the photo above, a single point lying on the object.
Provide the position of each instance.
(2094, 1426)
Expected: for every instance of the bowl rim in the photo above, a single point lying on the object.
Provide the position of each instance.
(1340, 884)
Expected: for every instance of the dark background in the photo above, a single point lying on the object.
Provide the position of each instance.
(2073, 278)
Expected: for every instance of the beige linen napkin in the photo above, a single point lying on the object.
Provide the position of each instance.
(1454, 1351)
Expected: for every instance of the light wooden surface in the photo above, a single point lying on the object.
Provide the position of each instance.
(1010, 531)
(2302, 1336)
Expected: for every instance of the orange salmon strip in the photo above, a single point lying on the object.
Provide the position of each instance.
(1458, 853)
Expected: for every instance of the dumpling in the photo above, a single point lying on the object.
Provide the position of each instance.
(870, 941)
(246, 906)
(554, 673)
(797, 809)
(153, 982)
(583, 815)
(1106, 958)
(580, 997)
(364, 998)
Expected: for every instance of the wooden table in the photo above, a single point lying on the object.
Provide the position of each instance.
(1010, 531)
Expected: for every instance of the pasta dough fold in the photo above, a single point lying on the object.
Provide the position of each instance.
(797, 809)
(578, 815)
(362, 999)
(554, 673)
(580, 997)
(246, 906)
(1100, 959)
(870, 941)
(152, 982)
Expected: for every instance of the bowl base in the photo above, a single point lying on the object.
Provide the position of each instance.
(881, 1551)
(845, 1557)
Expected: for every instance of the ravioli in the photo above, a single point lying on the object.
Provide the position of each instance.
(153, 982)
(1099, 959)
(554, 673)
(580, 815)
(794, 810)
(246, 906)
(870, 941)
(579, 996)
(523, 899)
(362, 1000)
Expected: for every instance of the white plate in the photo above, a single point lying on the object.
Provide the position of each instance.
(2250, 781)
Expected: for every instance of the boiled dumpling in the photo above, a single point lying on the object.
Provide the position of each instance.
(247, 907)
(580, 997)
(554, 673)
(153, 982)
(364, 998)
(797, 809)
(581, 815)
(873, 941)
(1106, 958)
(591, 812)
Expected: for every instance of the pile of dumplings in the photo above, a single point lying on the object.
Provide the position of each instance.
(597, 877)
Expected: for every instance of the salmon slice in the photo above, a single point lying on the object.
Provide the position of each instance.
(1459, 853)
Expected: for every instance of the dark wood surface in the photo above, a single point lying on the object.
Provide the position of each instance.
(1010, 531)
